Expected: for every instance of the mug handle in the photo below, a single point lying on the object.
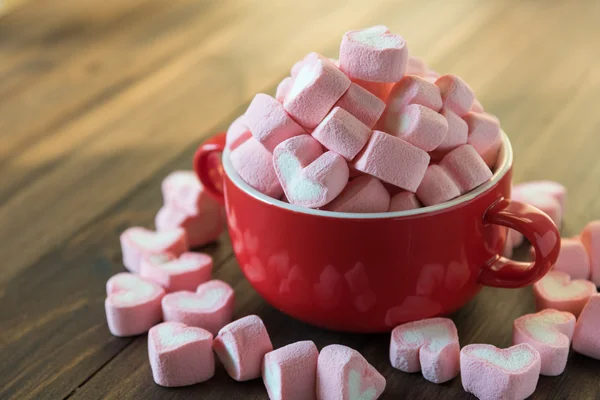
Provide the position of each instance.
(538, 228)
(208, 166)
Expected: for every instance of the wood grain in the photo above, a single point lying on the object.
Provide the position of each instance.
(98, 103)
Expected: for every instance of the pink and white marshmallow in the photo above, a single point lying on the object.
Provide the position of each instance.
(185, 272)
(200, 228)
(549, 332)
(556, 290)
(457, 133)
(362, 104)
(344, 374)
(457, 96)
(283, 88)
(484, 136)
(254, 164)
(416, 66)
(413, 90)
(241, 346)
(237, 133)
(418, 125)
(477, 107)
(180, 355)
(138, 242)
(436, 187)
(342, 133)
(590, 237)
(365, 194)
(466, 167)
(378, 89)
(373, 54)
(210, 307)
(289, 373)
(573, 259)
(491, 373)
(543, 188)
(430, 345)
(183, 190)
(586, 339)
(132, 304)
(404, 201)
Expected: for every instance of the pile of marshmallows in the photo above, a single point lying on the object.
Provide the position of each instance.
(376, 131)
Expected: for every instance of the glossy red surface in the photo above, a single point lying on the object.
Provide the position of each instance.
(369, 275)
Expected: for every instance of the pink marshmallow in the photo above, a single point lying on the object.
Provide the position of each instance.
(342, 133)
(210, 307)
(413, 90)
(283, 89)
(379, 89)
(549, 332)
(418, 125)
(590, 237)
(404, 201)
(137, 242)
(310, 57)
(362, 104)
(573, 259)
(269, 123)
(241, 346)
(289, 373)
(373, 54)
(200, 228)
(477, 107)
(416, 66)
(484, 136)
(254, 164)
(541, 200)
(430, 345)
(466, 168)
(457, 133)
(393, 160)
(237, 133)
(491, 373)
(132, 304)
(586, 339)
(309, 177)
(343, 373)
(436, 187)
(183, 190)
(542, 188)
(180, 355)
(316, 88)
(364, 194)
(556, 290)
(174, 274)
(457, 96)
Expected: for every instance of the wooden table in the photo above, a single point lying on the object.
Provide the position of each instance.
(100, 100)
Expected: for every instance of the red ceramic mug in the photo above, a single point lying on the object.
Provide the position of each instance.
(371, 272)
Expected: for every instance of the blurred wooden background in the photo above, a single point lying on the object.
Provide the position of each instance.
(100, 100)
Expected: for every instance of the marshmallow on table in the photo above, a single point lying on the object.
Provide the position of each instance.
(210, 307)
(416, 66)
(418, 125)
(269, 123)
(573, 259)
(237, 133)
(413, 90)
(315, 89)
(393, 160)
(180, 355)
(590, 237)
(491, 373)
(542, 200)
(586, 339)
(309, 177)
(436, 187)
(373, 54)
(174, 274)
(342, 133)
(289, 373)
(556, 290)
(283, 88)
(137, 242)
(542, 188)
(200, 228)
(484, 136)
(404, 201)
(132, 304)
(457, 133)
(457, 96)
(362, 104)
(549, 332)
(343, 374)
(466, 167)
(241, 346)
(430, 345)
(254, 164)
(364, 194)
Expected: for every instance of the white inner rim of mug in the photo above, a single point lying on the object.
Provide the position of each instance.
(503, 164)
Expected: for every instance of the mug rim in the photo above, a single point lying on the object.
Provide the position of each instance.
(505, 159)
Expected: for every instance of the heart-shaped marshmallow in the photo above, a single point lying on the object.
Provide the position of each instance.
(373, 54)
(456, 94)
(498, 374)
(200, 229)
(308, 176)
(590, 237)
(210, 308)
(241, 347)
(403, 201)
(542, 199)
(572, 259)
(556, 290)
(174, 274)
(436, 187)
(342, 133)
(430, 346)
(466, 168)
(132, 304)
(549, 332)
(586, 339)
(361, 103)
(412, 90)
(183, 190)
(365, 194)
(344, 374)
(137, 242)
(542, 188)
(418, 125)
(289, 373)
(180, 355)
